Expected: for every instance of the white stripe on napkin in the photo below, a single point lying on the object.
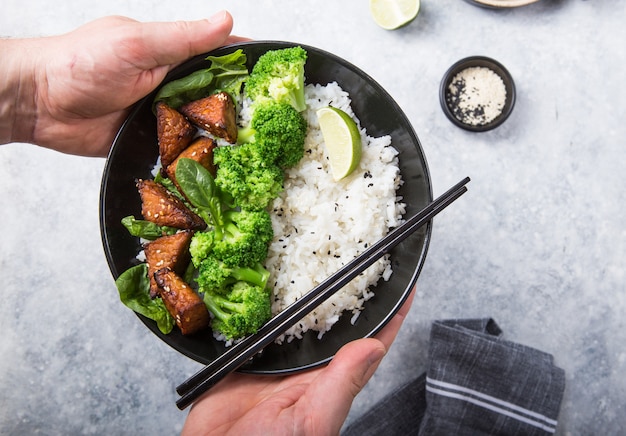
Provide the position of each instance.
(457, 392)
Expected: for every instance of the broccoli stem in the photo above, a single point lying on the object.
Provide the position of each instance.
(230, 229)
(245, 135)
(215, 304)
(257, 276)
(227, 227)
(231, 306)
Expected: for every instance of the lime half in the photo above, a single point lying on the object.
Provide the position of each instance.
(342, 140)
(392, 14)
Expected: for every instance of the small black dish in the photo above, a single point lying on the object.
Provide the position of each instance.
(477, 61)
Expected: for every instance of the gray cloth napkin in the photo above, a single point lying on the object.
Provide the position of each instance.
(476, 384)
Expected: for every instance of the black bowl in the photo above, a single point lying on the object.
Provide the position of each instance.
(478, 61)
(135, 152)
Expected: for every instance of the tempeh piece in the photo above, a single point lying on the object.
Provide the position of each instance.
(216, 114)
(171, 251)
(200, 150)
(174, 132)
(161, 207)
(182, 302)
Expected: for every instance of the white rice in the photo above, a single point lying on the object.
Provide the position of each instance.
(321, 224)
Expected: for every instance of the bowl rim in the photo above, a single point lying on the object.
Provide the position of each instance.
(424, 165)
(496, 67)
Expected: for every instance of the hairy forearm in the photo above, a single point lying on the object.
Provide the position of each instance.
(17, 91)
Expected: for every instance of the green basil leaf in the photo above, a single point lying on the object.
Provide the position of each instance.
(133, 286)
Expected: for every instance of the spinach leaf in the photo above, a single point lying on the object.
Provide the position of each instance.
(191, 87)
(226, 73)
(196, 182)
(133, 286)
(199, 187)
(229, 71)
(146, 229)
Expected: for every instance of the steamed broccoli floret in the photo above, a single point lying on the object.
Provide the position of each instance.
(201, 246)
(251, 173)
(215, 276)
(242, 241)
(248, 175)
(278, 75)
(246, 238)
(240, 312)
(279, 131)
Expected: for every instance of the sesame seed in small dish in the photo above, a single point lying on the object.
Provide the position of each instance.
(477, 93)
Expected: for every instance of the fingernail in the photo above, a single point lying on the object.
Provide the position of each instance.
(218, 17)
(373, 360)
(376, 356)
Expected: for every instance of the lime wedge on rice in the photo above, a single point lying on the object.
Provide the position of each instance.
(392, 14)
(342, 140)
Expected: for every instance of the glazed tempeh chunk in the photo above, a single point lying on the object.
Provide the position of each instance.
(174, 132)
(200, 150)
(161, 207)
(216, 114)
(182, 302)
(171, 251)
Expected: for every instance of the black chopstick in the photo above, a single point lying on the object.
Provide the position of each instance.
(241, 352)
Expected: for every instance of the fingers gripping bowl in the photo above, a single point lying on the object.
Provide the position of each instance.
(135, 152)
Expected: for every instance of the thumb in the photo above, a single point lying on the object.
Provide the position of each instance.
(170, 43)
(346, 375)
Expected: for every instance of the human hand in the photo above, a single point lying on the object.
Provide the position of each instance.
(76, 89)
(315, 402)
